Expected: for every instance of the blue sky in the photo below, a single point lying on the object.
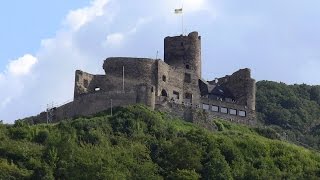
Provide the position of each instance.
(43, 43)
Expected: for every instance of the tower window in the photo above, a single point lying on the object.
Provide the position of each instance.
(187, 78)
(97, 89)
(85, 83)
(188, 96)
(187, 66)
(164, 93)
(181, 44)
(175, 94)
(164, 78)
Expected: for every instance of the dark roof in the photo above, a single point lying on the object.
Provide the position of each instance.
(222, 91)
(203, 87)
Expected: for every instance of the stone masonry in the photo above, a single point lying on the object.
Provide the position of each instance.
(172, 85)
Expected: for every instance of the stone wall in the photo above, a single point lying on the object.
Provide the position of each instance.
(89, 104)
(82, 81)
(241, 85)
(196, 113)
(182, 51)
(142, 70)
(146, 81)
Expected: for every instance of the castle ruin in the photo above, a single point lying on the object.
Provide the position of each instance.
(173, 85)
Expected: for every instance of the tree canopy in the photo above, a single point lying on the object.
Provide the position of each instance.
(138, 143)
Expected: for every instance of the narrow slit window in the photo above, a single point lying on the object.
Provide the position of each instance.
(164, 78)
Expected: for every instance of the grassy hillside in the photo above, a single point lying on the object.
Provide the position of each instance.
(137, 143)
(292, 110)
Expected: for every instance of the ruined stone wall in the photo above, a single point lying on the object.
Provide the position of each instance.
(86, 83)
(82, 81)
(242, 86)
(90, 104)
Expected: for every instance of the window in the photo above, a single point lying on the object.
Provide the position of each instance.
(215, 108)
(188, 96)
(187, 66)
(175, 95)
(164, 78)
(85, 83)
(151, 89)
(205, 106)
(187, 78)
(242, 113)
(181, 44)
(224, 110)
(97, 89)
(233, 112)
(164, 93)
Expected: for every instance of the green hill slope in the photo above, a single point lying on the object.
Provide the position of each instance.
(137, 143)
(292, 110)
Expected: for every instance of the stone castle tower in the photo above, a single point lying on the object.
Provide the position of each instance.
(174, 85)
(184, 52)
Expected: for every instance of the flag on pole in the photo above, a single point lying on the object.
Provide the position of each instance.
(178, 11)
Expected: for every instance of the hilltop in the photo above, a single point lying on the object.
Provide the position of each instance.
(138, 143)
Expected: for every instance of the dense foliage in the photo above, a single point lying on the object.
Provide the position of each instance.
(292, 110)
(137, 143)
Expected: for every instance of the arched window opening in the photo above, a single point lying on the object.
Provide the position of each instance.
(151, 89)
(187, 66)
(164, 93)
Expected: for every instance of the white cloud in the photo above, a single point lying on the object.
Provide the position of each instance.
(77, 18)
(115, 39)
(140, 22)
(22, 65)
(82, 42)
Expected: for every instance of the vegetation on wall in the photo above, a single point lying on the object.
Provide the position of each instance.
(137, 143)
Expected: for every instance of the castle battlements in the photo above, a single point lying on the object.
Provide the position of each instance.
(173, 85)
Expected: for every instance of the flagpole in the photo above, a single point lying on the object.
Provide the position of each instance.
(182, 18)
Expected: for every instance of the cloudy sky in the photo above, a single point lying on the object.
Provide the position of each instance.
(43, 43)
